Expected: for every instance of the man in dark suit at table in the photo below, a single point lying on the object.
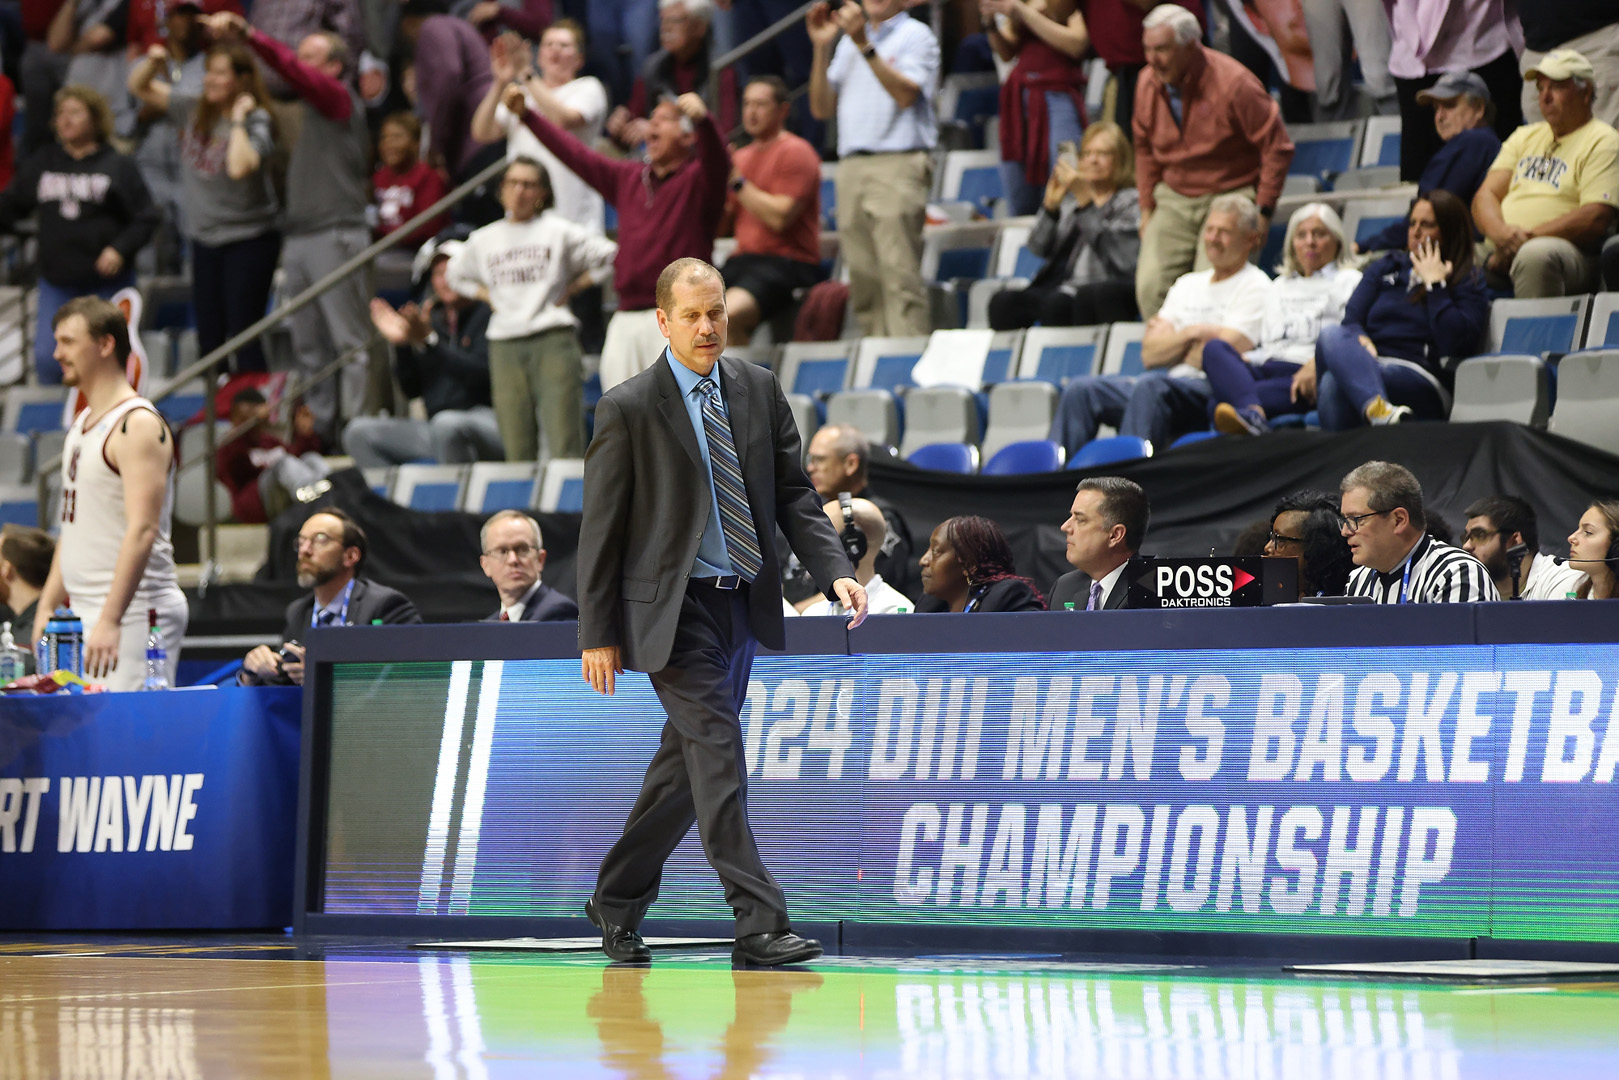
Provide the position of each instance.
(513, 558)
(1104, 529)
(693, 463)
(331, 551)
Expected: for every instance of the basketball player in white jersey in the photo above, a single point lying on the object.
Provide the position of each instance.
(114, 561)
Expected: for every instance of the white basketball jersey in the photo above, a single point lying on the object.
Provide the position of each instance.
(94, 519)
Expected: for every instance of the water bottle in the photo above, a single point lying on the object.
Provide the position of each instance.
(157, 657)
(13, 658)
(61, 647)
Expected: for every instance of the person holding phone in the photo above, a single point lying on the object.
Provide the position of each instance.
(1043, 97)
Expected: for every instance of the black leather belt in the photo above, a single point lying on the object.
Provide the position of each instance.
(726, 581)
(880, 153)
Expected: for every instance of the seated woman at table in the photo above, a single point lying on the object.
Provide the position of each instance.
(1090, 270)
(1593, 547)
(1412, 309)
(968, 567)
(1312, 291)
(1305, 525)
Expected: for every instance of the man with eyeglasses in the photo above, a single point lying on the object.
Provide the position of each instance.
(837, 462)
(513, 557)
(1503, 535)
(1396, 561)
(331, 549)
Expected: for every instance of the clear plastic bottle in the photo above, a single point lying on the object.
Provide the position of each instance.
(13, 658)
(157, 657)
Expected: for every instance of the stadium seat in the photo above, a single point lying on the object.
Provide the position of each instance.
(1123, 354)
(885, 363)
(501, 485)
(973, 177)
(1194, 437)
(1380, 146)
(1603, 329)
(1367, 178)
(973, 99)
(940, 414)
(1005, 353)
(1538, 327)
(954, 252)
(1111, 450)
(872, 412)
(159, 343)
(815, 367)
(1325, 150)
(1365, 218)
(1012, 255)
(1019, 458)
(981, 292)
(19, 505)
(191, 496)
(430, 487)
(829, 195)
(968, 354)
(945, 457)
(380, 480)
(1298, 184)
(16, 459)
(1018, 412)
(33, 408)
(805, 415)
(562, 487)
(1502, 387)
(1588, 399)
(1056, 354)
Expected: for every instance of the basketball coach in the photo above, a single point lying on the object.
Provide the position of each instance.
(693, 464)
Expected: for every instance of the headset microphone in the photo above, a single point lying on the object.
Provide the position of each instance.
(854, 541)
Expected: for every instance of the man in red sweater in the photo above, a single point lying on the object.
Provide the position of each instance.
(668, 208)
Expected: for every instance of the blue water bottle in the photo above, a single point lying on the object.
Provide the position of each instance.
(61, 646)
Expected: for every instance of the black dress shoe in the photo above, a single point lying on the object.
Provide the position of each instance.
(775, 949)
(620, 943)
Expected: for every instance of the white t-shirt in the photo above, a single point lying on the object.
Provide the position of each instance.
(576, 200)
(1296, 309)
(525, 267)
(1551, 579)
(881, 599)
(1237, 302)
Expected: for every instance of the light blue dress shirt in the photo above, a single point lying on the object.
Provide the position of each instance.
(712, 559)
(869, 118)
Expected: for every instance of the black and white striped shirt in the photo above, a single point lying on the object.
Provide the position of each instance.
(1440, 574)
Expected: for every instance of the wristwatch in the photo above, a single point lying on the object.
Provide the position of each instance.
(870, 50)
(736, 184)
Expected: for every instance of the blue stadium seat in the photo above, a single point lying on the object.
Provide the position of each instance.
(501, 485)
(1123, 354)
(1033, 456)
(1110, 451)
(1057, 354)
(1324, 150)
(1537, 327)
(829, 203)
(571, 499)
(946, 457)
(19, 505)
(1603, 331)
(562, 486)
(815, 368)
(430, 487)
(1194, 437)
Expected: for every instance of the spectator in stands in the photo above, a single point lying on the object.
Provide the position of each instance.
(866, 520)
(292, 21)
(441, 355)
(226, 138)
(1502, 534)
(404, 185)
(1115, 30)
(680, 66)
(1204, 127)
(87, 39)
(1305, 526)
(1432, 37)
(622, 36)
(1396, 560)
(261, 471)
(1223, 303)
(93, 209)
(324, 224)
(968, 567)
(513, 558)
(1594, 547)
(526, 268)
(529, 18)
(452, 78)
(25, 563)
(1462, 112)
(668, 206)
(1332, 53)
(1088, 277)
(573, 102)
(836, 461)
(1552, 196)
(1411, 310)
(1043, 96)
(1104, 530)
(331, 549)
(879, 81)
(774, 212)
(1590, 29)
(41, 71)
(1310, 292)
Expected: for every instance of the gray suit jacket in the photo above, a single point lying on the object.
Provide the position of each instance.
(647, 500)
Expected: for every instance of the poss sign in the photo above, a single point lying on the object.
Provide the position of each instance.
(1247, 581)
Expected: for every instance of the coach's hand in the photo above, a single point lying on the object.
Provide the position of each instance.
(853, 597)
(101, 649)
(599, 666)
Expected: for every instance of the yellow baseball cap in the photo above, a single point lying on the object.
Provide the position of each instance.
(1560, 64)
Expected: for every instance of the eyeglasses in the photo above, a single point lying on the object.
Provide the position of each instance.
(1277, 539)
(524, 552)
(319, 539)
(514, 182)
(1478, 536)
(1350, 524)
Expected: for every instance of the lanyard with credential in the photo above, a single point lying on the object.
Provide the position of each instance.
(1405, 578)
(342, 613)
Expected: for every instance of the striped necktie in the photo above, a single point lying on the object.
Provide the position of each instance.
(1096, 597)
(736, 520)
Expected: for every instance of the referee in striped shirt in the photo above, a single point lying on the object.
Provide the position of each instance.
(1396, 561)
